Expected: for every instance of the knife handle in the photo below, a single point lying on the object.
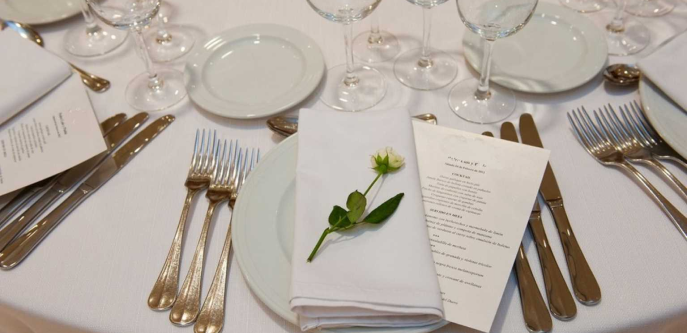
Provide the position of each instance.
(18, 225)
(537, 317)
(20, 248)
(561, 301)
(584, 283)
(21, 199)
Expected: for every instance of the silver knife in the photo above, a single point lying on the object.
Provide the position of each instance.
(20, 248)
(30, 192)
(584, 283)
(64, 182)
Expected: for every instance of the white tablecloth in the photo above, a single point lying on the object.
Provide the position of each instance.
(95, 271)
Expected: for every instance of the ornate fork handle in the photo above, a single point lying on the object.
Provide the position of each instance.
(679, 220)
(164, 291)
(675, 158)
(669, 175)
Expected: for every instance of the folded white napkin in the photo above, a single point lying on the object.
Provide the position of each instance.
(666, 68)
(28, 72)
(375, 276)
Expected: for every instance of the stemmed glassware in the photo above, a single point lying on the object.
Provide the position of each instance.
(650, 8)
(155, 89)
(349, 87)
(376, 45)
(625, 35)
(474, 100)
(92, 39)
(425, 68)
(167, 42)
(584, 6)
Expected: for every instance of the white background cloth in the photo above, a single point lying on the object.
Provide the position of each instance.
(96, 269)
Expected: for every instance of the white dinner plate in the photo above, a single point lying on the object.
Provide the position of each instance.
(262, 232)
(38, 11)
(667, 118)
(557, 50)
(254, 71)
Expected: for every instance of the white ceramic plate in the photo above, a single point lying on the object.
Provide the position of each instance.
(557, 50)
(262, 232)
(254, 71)
(38, 11)
(667, 118)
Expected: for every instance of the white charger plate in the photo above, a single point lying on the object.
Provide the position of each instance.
(254, 71)
(667, 118)
(38, 11)
(262, 232)
(557, 50)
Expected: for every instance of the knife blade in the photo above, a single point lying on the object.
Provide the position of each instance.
(585, 286)
(28, 193)
(68, 179)
(21, 247)
(560, 299)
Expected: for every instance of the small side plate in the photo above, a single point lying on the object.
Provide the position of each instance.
(38, 11)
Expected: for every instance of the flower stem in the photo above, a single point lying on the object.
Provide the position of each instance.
(373, 182)
(319, 242)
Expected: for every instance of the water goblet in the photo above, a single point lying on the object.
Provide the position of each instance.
(584, 6)
(625, 35)
(92, 39)
(650, 8)
(349, 87)
(165, 41)
(155, 89)
(474, 100)
(375, 45)
(425, 68)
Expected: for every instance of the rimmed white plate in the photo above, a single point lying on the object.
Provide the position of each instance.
(557, 50)
(262, 232)
(667, 118)
(38, 11)
(254, 71)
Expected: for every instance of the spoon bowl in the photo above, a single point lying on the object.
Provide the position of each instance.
(622, 74)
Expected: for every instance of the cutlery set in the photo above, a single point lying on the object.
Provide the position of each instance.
(15, 246)
(221, 169)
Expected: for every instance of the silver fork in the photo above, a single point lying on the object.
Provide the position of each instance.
(649, 138)
(187, 306)
(598, 143)
(211, 317)
(628, 142)
(164, 292)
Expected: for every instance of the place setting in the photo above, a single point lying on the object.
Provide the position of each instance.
(312, 198)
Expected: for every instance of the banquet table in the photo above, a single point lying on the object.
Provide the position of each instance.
(96, 270)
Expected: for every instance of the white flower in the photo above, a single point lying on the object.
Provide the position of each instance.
(387, 160)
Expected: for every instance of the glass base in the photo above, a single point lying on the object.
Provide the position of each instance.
(499, 106)
(80, 43)
(650, 8)
(410, 70)
(371, 51)
(179, 43)
(369, 90)
(584, 6)
(142, 97)
(634, 38)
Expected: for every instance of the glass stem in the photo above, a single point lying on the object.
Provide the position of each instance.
(483, 92)
(163, 36)
(375, 35)
(618, 24)
(351, 80)
(91, 26)
(425, 60)
(154, 82)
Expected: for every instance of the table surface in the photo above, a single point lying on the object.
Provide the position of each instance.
(95, 271)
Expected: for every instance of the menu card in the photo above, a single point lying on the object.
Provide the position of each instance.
(55, 133)
(478, 193)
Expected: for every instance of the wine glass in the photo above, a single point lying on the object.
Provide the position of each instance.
(584, 6)
(474, 100)
(92, 39)
(167, 42)
(650, 8)
(349, 87)
(376, 45)
(425, 68)
(625, 36)
(155, 89)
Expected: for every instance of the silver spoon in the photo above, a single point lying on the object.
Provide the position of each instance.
(93, 82)
(287, 126)
(622, 74)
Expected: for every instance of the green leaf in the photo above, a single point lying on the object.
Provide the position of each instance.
(338, 217)
(381, 213)
(356, 204)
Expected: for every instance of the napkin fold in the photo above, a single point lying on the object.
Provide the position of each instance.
(666, 68)
(28, 71)
(374, 276)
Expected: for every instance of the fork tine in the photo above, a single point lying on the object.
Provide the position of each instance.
(620, 129)
(229, 161)
(608, 134)
(581, 133)
(236, 173)
(217, 169)
(194, 159)
(592, 130)
(647, 129)
(221, 164)
(630, 122)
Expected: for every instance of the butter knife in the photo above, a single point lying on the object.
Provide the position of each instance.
(537, 317)
(20, 248)
(30, 192)
(584, 284)
(64, 182)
